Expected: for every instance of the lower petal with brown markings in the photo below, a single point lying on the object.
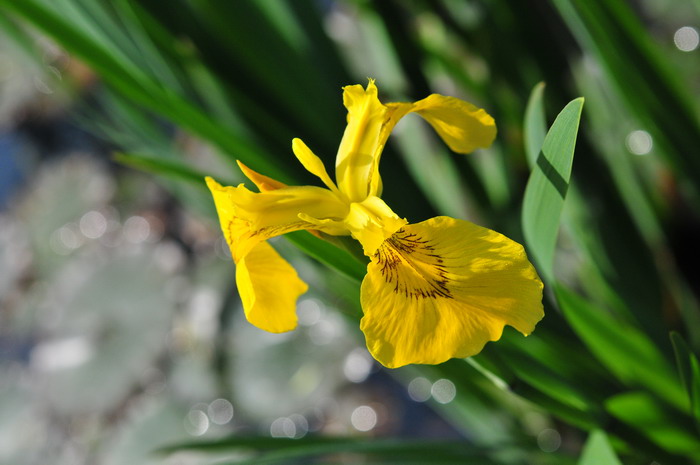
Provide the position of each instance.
(443, 288)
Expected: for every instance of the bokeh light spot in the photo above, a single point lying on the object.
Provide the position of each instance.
(93, 225)
(136, 229)
(220, 411)
(419, 389)
(357, 366)
(549, 440)
(196, 422)
(363, 418)
(639, 142)
(443, 391)
(309, 312)
(686, 39)
(283, 427)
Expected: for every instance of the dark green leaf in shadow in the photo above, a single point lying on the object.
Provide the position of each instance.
(266, 450)
(547, 186)
(689, 370)
(328, 254)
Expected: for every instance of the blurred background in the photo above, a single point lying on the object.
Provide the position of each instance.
(120, 328)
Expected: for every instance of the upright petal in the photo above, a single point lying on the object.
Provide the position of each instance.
(462, 126)
(361, 142)
(269, 288)
(442, 289)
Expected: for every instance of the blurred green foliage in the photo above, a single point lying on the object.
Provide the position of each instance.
(246, 77)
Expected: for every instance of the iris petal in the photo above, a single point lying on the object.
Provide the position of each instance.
(312, 163)
(442, 289)
(463, 126)
(361, 142)
(269, 288)
(264, 183)
(248, 218)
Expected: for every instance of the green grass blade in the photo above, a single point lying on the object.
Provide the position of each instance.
(160, 166)
(547, 187)
(622, 348)
(689, 370)
(132, 83)
(597, 450)
(673, 432)
(652, 89)
(282, 450)
(535, 124)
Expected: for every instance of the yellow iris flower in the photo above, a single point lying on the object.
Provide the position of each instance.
(434, 290)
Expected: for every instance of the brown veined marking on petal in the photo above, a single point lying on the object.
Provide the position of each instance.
(397, 251)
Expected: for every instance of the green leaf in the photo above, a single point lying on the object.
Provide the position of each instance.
(689, 370)
(622, 348)
(328, 254)
(156, 165)
(134, 84)
(650, 417)
(281, 450)
(597, 450)
(545, 379)
(547, 187)
(644, 76)
(535, 124)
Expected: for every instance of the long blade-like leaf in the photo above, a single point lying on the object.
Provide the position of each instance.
(547, 186)
(535, 125)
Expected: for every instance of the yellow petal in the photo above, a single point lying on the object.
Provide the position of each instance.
(248, 218)
(361, 142)
(371, 222)
(463, 126)
(443, 288)
(263, 182)
(312, 163)
(269, 288)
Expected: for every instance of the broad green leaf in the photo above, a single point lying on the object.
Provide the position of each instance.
(535, 124)
(597, 450)
(547, 186)
(664, 427)
(622, 348)
(689, 370)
